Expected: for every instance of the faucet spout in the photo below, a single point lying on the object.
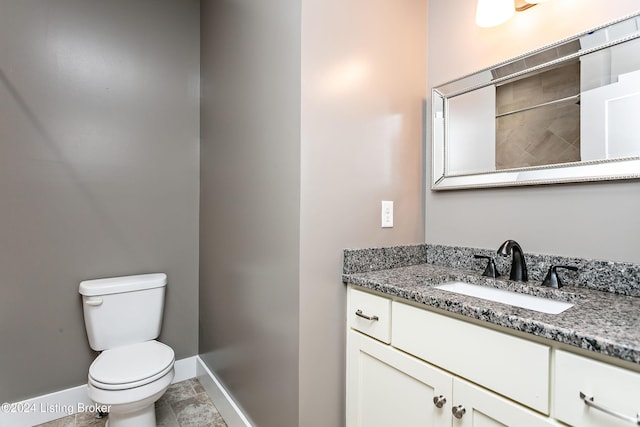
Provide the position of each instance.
(518, 264)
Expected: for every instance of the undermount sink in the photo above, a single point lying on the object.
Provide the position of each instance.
(542, 305)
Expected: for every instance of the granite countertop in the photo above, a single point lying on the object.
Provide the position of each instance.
(602, 322)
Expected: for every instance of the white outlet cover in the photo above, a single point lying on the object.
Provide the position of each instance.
(387, 214)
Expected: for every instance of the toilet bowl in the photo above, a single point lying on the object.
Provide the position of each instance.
(128, 380)
(133, 371)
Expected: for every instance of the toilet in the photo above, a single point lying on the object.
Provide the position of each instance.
(123, 316)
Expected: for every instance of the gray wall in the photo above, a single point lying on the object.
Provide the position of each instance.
(98, 173)
(592, 220)
(311, 115)
(250, 203)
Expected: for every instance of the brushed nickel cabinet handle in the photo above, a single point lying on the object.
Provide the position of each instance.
(458, 411)
(364, 316)
(588, 400)
(439, 401)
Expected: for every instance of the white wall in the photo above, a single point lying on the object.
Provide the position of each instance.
(595, 220)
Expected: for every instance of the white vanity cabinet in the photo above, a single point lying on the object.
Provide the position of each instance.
(395, 385)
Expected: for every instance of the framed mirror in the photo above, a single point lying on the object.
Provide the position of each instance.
(568, 112)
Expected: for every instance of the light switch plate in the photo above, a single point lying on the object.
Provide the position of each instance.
(387, 214)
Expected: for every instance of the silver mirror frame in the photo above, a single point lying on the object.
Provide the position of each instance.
(595, 170)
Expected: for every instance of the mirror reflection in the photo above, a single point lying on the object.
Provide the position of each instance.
(573, 106)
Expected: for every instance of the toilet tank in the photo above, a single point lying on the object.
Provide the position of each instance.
(123, 310)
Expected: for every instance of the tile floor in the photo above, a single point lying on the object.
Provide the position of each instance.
(185, 404)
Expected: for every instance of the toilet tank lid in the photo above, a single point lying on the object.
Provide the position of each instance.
(114, 285)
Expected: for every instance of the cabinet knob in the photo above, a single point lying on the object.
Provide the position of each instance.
(439, 401)
(458, 411)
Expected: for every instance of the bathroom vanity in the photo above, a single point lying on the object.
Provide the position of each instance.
(417, 355)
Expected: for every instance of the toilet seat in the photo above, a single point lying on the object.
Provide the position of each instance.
(131, 366)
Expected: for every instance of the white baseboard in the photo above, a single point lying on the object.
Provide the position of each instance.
(221, 398)
(45, 408)
(52, 406)
(185, 369)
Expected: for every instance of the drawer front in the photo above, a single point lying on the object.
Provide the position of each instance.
(378, 311)
(612, 389)
(511, 366)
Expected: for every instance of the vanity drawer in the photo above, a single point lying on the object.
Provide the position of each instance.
(511, 366)
(612, 388)
(370, 314)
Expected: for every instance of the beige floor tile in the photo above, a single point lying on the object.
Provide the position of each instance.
(185, 404)
(69, 421)
(196, 411)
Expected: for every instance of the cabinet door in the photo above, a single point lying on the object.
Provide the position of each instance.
(589, 393)
(477, 407)
(386, 387)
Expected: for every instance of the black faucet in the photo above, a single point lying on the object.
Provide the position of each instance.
(518, 265)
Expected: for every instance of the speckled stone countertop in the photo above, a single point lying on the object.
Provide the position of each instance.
(604, 322)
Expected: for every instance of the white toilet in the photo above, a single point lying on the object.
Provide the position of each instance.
(123, 316)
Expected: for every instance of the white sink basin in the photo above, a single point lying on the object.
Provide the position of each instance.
(543, 305)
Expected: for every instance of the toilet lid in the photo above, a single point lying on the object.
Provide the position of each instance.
(132, 363)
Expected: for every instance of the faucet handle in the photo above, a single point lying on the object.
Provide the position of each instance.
(552, 280)
(491, 270)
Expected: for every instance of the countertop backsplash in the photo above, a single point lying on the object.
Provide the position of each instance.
(373, 259)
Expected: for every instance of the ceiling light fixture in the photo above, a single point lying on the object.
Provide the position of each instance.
(491, 13)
